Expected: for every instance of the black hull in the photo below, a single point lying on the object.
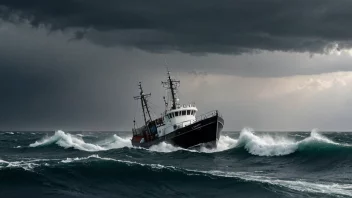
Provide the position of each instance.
(205, 132)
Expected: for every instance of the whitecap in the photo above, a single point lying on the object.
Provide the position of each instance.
(165, 148)
(69, 160)
(10, 133)
(279, 145)
(67, 140)
(225, 143)
(266, 145)
(255, 144)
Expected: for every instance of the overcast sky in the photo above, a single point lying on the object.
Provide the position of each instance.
(264, 64)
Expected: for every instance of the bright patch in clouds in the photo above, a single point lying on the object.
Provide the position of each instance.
(307, 101)
(336, 50)
(268, 87)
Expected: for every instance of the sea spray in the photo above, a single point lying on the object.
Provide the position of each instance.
(67, 140)
(266, 145)
(115, 142)
(254, 143)
(281, 144)
(225, 143)
(164, 147)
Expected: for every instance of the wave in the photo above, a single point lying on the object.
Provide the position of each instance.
(264, 144)
(165, 148)
(67, 140)
(69, 160)
(130, 171)
(9, 133)
(225, 143)
(28, 165)
(254, 144)
(280, 145)
(301, 185)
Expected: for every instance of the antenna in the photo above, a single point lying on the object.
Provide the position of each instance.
(171, 84)
(166, 104)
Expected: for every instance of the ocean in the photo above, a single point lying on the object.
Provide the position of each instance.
(245, 164)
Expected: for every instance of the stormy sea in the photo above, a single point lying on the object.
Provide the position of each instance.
(245, 164)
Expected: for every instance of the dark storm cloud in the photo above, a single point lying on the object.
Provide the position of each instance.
(47, 83)
(197, 26)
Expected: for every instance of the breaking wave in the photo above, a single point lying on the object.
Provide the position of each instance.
(275, 144)
(254, 144)
(278, 145)
(225, 143)
(9, 133)
(67, 140)
(266, 145)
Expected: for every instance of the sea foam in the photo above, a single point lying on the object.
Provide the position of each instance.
(278, 145)
(254, 143)
(67, 140)
(266, 145)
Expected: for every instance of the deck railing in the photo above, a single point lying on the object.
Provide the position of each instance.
(207, 115)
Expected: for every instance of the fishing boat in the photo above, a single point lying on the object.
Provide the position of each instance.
(178, 125)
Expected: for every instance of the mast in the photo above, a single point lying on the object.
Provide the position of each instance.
(171, 84)
(143, 97)
(166, 103)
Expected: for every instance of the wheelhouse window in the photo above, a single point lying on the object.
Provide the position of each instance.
(183, 112)
(176, 113)
(188, 112)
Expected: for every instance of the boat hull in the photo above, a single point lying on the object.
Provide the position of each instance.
(205, 133)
